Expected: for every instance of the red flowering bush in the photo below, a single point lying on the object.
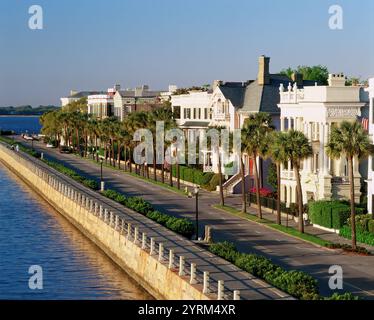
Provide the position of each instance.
(264, 192)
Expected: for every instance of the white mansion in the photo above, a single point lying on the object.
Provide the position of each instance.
(314, 111)
(370, 181)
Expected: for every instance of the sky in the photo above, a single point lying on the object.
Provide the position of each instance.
(94, 44)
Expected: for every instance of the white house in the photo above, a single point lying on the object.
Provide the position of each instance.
(233, 102)
(315, 110)
(75, 96)
(370, 181)
(102, 105)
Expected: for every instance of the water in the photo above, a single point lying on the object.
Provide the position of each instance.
(20, 124)
(32, 233)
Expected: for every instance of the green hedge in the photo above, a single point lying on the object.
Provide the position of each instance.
(296, 283)
(193, 175)
(178, 225)
(92, 184)
(331, 214)
(361, 236)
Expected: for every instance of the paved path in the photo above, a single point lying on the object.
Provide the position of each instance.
(282, 249)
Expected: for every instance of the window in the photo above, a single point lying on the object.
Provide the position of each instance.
(194, 113)
(205, 113)
(199, 113)
(177, 112)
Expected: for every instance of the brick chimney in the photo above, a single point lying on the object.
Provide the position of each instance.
(263, 70)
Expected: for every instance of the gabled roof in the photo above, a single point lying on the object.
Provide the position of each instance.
(251, 97)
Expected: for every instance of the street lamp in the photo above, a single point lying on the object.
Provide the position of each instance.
(101, 170)
(196, 194)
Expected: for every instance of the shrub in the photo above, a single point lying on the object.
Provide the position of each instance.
(362, 222)
(330, 214)
(361, 236)
(92, 184)
(226, 250)
(343, 296)
(296, 283)
(139, 205)
(371, 226)
(178, 225)
(348, 248)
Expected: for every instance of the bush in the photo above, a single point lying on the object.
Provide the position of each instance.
(362, 222)
(178, 225)
(371, 226)
(139, 205)
(348, 248)
(92, 184)
(331, 214)
(225, 250)
(193, 175)
(361, 236)
(296, 283)
(343, 296)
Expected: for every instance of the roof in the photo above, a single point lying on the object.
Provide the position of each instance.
(84, 94)
(144, 94)
(252, 97)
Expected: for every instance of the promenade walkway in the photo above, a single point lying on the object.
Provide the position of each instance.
(286, 251)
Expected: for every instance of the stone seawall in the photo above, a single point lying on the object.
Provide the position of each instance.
(157, 270)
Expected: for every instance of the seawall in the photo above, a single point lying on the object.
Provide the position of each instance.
(117, 238)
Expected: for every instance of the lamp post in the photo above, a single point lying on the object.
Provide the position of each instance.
(196, 194)
(101, 175)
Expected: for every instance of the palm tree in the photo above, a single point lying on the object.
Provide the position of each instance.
(135, 121)
(276, 143)
(217, 151)
(352, 141)
(244, 195)
(296, 147)
(164, 114)
(254, 132)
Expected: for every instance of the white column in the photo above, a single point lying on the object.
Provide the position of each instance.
(309, 125)
(289, 123)
(326, 159)
(282, 123)
(322, 151)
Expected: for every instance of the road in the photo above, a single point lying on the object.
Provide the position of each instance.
(286, 251)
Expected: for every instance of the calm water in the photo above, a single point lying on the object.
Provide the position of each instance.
(32, 233)
(20, 124)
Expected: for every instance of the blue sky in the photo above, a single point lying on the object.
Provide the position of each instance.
(93, 44)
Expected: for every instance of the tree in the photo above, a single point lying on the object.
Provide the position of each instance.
(254, 132)
(164, 114)
(76, 106)
(352, 141)
(295, 147)
(317, 73)
(277, 141)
